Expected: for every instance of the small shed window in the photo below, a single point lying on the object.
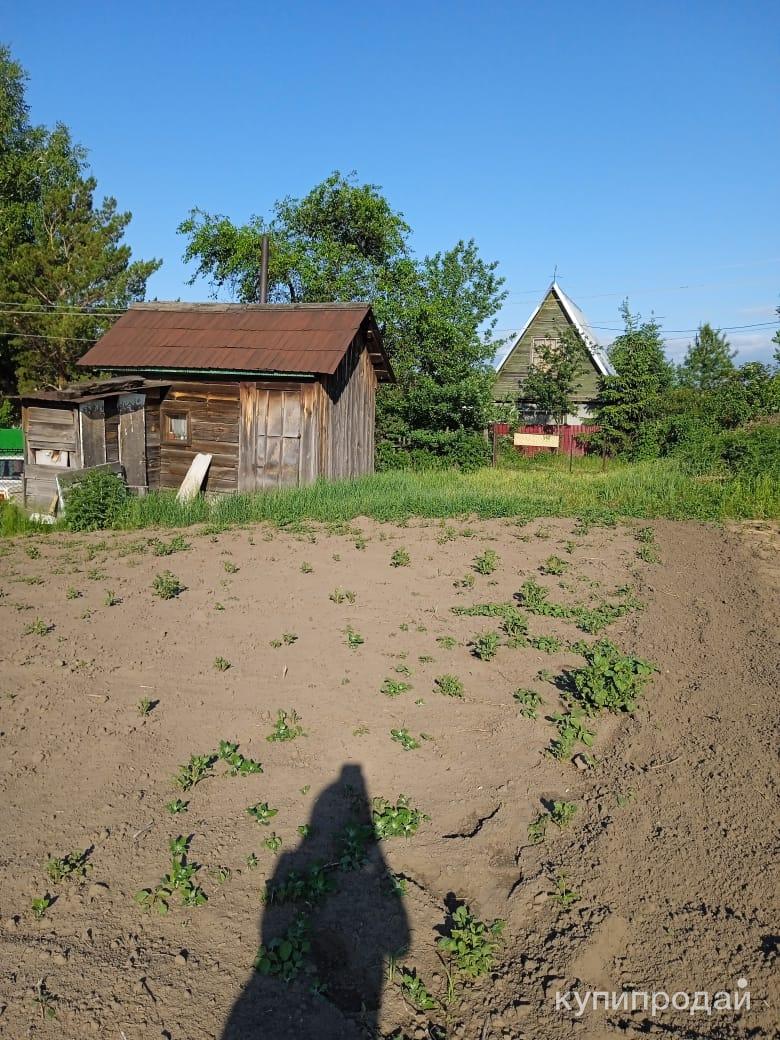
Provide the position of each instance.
(539, 345)
(176, 427)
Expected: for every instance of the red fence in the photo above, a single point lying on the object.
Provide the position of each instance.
(569, 442)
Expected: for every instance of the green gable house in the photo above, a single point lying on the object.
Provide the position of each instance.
(555, 313)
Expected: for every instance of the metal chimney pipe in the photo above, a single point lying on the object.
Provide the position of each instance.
(264, 270)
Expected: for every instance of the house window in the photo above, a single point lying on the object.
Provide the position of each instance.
(545, 342)
(176, 427)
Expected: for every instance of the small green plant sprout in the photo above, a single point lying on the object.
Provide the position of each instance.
(396, 820)
(230, 567)
(352, 845)
(304, 829)
(73, 865)
(562, 813)
(288, 638)
(273, 842)
(167, 586)
(45, 1000)
(146, 706)
(397, 883)
(285, 957)
(487, 562)
(72, 593)
(611, 681)
(449, 685)
(40, 905)
(537, 829)
(393, 688)
(569, 546)
(252, 861)
(221, 874)
(177, 806)
(405, 739)
(275, 643)
(191, 773)
(646, 535)
(647, 554)
(466, 582)
(176, 544)
(472, 944)
(554, 565)
(415, 992)
(306, 568)
(529, 702)
(286, 727)
(180, 878)
(571, 730)
(447, 642)
(340, 595)
(354, 639)
(262, 813)
(238, 764)
(547, 644)
(400, 558)
(39, 627)
(111, 600)
(155, 899)
(563, 895)
(402, 669)
(485, 646)
(32, 551)
(311, 887)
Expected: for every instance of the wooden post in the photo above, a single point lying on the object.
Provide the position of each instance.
(495, 446)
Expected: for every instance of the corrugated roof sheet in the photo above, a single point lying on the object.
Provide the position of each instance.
(299, 338)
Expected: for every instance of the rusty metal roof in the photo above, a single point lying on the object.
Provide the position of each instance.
(299, 338)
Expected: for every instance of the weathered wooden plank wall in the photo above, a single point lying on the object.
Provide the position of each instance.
(214, 413)
(92, 422)
(351, 419)
(49, 428)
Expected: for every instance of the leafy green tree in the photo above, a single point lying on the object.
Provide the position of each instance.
(343, 242)
(708, 362)
(64, 271)
(554, 375)
(629, 401)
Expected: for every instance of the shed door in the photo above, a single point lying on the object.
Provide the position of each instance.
(132, 437)
(272, 440)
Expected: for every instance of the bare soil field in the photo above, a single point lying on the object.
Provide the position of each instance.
(665, 878)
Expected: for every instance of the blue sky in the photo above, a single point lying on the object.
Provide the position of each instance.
(635, 146)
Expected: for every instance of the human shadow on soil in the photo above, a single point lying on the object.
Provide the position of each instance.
(351, 929)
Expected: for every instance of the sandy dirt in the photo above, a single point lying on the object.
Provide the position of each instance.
(672, 853)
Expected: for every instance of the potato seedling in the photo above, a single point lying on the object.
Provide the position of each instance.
(562, 813)
(167, 586)
(39, 627)
(394, 820)
(465, 583)
(400, 558)
(230, 567)
(178, 879)
(286, 727)
(485, 646)
(529, 701)
(571, 730)
(340, 595)
(40, 905)
(449, 685)
(32, 551)
(487, 562)
(611, 681)
(72, 865)
(191, 773)
(284, 957)
(45, 1000)
(447, 642)
(311, 887)
(146, 706)
(72, 593)
(405, 739)
(176, 544)
(392, 688)
(262, 813)
(553, 565)
(273, 842)
(472, 944)
(354, 639)
(288, 638)
(562, 894)
(415, 992)
(547, 644)
(221, 664)
(252, 861)
(306, 568)
(537, 829)
(304, 830)
(237, 764)
(177, 806)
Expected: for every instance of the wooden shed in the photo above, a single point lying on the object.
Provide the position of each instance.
(556, 312)
(278, 395)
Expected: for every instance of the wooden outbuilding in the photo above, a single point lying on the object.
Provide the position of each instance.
(277, 395)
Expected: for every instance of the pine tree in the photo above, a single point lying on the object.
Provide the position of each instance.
(709, 361)
(61, 253)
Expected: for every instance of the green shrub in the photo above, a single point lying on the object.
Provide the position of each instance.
(96, 502)
(429, 449)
